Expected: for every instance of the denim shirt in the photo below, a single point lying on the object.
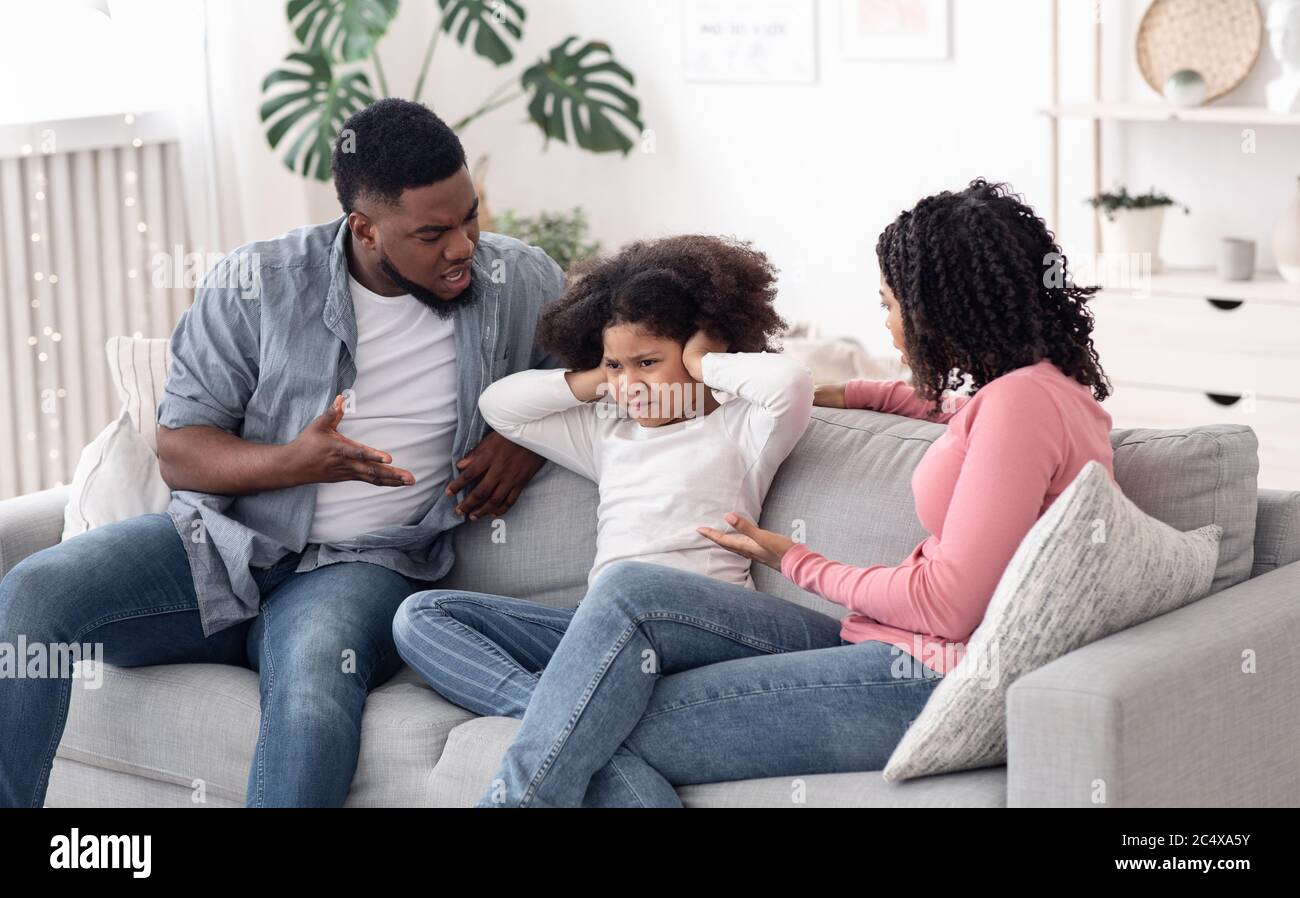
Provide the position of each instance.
(269, 341)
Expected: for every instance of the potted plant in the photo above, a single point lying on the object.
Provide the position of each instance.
(578, 92)
(1131, 223)
(564, 235)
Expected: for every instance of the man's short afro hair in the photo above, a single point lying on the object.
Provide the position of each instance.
(390, 146)
(670, 287)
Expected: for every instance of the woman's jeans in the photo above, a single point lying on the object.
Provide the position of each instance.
(662, 678)
(322, 641)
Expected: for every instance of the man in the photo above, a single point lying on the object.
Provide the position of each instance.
(310, 430)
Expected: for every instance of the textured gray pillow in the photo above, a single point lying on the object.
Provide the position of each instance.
(1092, 565)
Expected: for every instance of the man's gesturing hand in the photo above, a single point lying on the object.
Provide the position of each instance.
(321, 454)
(502, 469)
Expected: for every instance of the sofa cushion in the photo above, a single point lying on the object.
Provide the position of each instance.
(474, 751)
(1196, 476)
(541, 550)
(1092, 565)
(848, 485)
(191, 724)
(846, 490)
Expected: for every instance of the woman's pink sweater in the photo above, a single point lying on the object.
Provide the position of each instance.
(1009, 451)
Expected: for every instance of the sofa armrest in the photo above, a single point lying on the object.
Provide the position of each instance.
(30, 523)
(1197, 707)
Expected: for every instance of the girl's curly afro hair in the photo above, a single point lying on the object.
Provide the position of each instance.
(983, 289)
(670, 287)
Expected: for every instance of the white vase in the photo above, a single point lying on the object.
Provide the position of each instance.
(1283, 92)
(1286, 240)
(1133, 232)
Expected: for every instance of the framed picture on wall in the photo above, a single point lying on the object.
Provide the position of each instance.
(895, 29)
(758, 41)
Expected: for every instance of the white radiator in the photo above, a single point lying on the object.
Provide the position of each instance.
(86, 207)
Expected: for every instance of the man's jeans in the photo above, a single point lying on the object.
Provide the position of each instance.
(662, 678)
(322, 641)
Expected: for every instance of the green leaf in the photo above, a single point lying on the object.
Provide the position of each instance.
(315, 105)
(580, 90)
(492, 22)
(345, 30)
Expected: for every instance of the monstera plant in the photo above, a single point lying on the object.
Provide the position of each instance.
(577, 93)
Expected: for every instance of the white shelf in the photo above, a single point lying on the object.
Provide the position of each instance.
(1203, 283)
(1135, 111)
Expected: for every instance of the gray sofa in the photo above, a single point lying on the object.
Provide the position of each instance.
(1165, 713)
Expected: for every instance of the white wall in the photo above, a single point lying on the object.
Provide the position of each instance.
(811, 173)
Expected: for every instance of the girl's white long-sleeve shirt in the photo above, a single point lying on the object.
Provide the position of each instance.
(657, 484)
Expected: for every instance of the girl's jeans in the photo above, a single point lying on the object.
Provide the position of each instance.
(661, 678)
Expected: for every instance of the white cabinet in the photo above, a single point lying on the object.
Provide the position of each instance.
(1189, 349)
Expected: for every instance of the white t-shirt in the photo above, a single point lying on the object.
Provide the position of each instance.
(657, 484)
(403, 402)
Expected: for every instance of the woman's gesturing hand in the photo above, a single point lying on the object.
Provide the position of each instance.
(751, 541)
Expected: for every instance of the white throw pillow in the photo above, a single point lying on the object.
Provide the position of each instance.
(1092, 565)
(117, 478)
(117, 475)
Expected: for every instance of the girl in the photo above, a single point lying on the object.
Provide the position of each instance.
(643, 334)
(975, 289)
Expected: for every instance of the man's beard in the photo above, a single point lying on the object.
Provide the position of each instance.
(443, 308)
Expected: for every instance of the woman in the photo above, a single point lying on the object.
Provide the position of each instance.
(976, 290)
(637, 328)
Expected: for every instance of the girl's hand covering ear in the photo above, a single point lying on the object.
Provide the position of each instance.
(693, 352)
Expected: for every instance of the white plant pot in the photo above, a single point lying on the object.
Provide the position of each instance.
(1133, 231)
(1286, 241)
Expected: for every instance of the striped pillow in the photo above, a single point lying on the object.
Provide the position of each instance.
(139, 370)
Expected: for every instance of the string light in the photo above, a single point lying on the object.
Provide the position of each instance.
(36, 234)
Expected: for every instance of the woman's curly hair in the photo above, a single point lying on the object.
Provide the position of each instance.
(984, 289)
(671, 287)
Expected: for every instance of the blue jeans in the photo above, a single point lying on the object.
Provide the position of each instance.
(322, 641)
(690, 679)
(485, 653)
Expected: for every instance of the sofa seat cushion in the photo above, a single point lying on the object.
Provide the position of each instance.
(196, 724)
(474, 752)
